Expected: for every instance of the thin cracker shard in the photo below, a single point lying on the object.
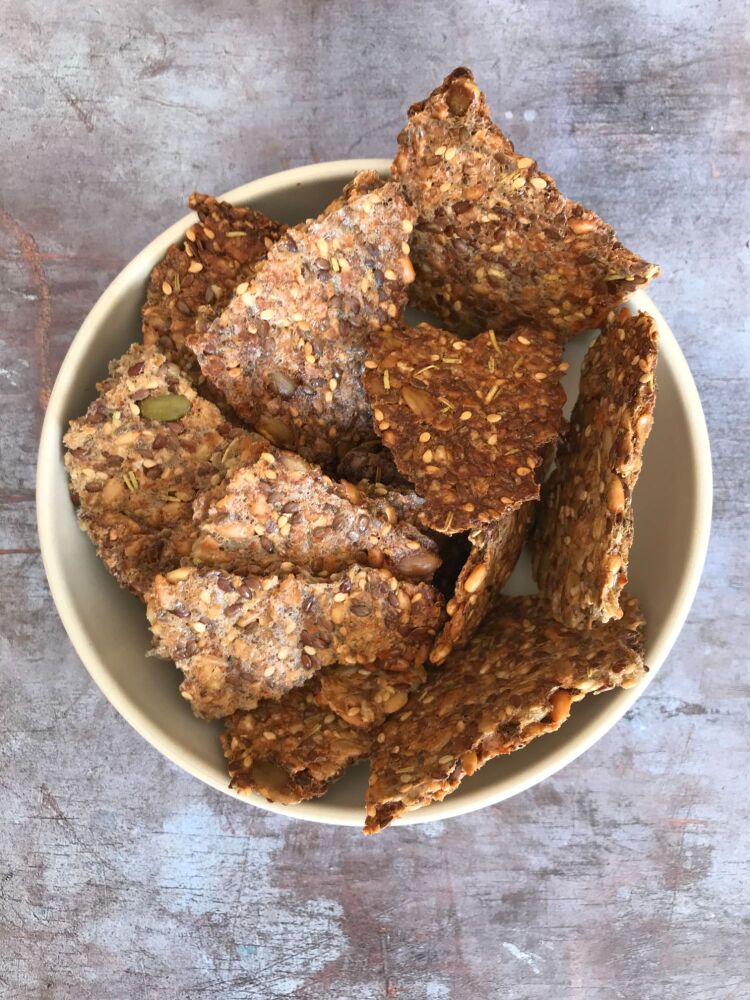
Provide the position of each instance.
(466, 421)
(514, 681)
(282, 513)
(290, 750)
(135, 477)
(495, 242)
(365, 695)
(288, 353)
(240, 639)
(583, 537)
(494, 553)
(195, 282)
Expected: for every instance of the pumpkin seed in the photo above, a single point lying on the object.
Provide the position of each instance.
(170, 407)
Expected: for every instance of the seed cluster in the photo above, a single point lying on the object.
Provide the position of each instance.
(466, 421)
(585, 530)
(495, 241)
(133, 476)
(281, 513)
(288, 353)
(514, 681)
(292, 749)
(239, 639)
(194, 282)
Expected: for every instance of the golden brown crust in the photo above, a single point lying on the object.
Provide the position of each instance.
(466, 421)
(514, 681)
(364, 695)
(495, 242)
(240, 639)
(288, 353)
(290, 750)
(281, 513)
(585, 529)
(198, 279)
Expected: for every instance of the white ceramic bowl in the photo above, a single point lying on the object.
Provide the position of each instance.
(108, 628)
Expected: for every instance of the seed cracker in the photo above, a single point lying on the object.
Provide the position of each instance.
(197, 280)
(466, 420)
(514, 681)
(585, 529)
(282, 513)
(290, 750)
(241, 639)
(496, 243)
(134, 478)
(288, 353)
(364, 695)
(495, 549)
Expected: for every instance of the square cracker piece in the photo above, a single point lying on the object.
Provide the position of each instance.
(290, 750)
(282, 513)
(582, 540)
(133, 476)
(495, 242)
(495, 549)
(241, 639)
(288, 354)
(514, 681)
(196, 281)
(466, 420)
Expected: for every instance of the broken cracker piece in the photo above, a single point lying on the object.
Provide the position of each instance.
(136, 461)
(290, 750)
(240, 639)
(495, 241)
(220, 252)
(514, 681)
(364, 695)
(282, 513)
(466, 421)
(288, 353)
(582, 540)
(495, 549)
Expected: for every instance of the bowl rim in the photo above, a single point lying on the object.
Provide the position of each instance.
(317, 811)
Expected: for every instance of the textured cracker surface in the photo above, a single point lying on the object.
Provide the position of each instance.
(493, 697)
(135, 478)
(585, 529)
(496, 243)
(287, 354)
(281, 513)
(242, 638)
(290, 750)
(194, 282)
(466, 420)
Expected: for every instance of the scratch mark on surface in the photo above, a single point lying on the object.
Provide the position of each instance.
(83, 116)
(527, 957)
(32, 258)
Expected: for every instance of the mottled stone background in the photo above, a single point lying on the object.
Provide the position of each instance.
(625, 876)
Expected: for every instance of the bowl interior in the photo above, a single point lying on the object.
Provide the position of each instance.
(108, 626)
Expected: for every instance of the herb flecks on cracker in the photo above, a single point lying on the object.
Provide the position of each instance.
(466, 421)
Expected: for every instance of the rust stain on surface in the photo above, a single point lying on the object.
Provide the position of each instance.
(32, 258)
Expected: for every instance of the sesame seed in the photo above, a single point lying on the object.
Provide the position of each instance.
(166, 288)
(466, 415)
(424, 437)
(524, 162)
(195, 267)
(427, 456)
